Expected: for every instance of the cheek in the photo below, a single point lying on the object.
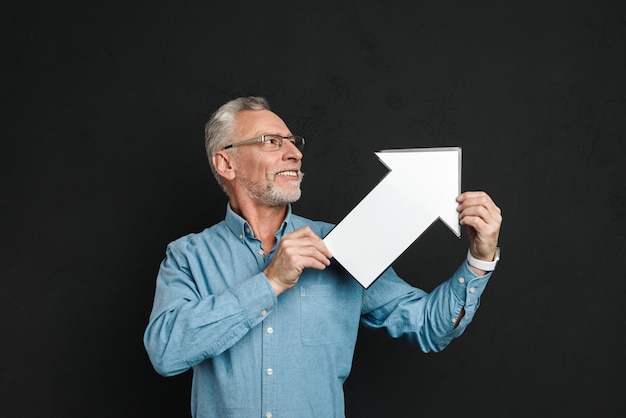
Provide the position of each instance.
(257, 166)
(254, 170)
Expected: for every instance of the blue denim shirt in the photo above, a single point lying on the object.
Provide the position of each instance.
(256, 355)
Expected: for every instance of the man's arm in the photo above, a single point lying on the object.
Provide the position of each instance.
(186, 328)
(432, 320)
(483, 220)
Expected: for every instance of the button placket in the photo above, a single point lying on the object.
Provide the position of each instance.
(268, 379)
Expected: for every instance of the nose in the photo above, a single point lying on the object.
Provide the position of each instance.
(291, 152)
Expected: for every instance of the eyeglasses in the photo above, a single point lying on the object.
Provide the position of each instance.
(270, 142)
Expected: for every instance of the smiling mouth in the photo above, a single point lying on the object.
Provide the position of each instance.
(287, 173)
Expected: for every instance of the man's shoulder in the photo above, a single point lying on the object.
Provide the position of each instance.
(194, 238)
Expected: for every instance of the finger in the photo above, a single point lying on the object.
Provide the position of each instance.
(484, 225)
(305, 236)
(317, 263)
(481, 206)
(481, 212)
(313, 255)
(476, 198)
(304, 252)
(471, 194)
(478, 223)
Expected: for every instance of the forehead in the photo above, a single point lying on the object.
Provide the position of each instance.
(256, 122)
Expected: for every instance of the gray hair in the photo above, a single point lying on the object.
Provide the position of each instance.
(219, 129)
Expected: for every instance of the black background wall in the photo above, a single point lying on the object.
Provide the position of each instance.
(102, 164)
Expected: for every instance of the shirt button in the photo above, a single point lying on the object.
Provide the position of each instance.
(270, 330)
(240, 236)
(269, 372)
(263, 312)
(472, 289)
(268, 415)
(261, 252)
(247, 230)
(461, 280)
(454, 320)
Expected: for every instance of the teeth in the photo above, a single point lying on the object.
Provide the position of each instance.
(287, 173)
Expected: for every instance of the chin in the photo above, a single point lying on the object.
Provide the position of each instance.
(289, 197)
(292, 197)
(275, 196)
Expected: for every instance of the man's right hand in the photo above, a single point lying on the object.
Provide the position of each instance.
(296, 251)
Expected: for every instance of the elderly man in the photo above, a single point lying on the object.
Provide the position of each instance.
(257, 306)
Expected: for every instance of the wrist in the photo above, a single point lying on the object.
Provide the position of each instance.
(481, 264)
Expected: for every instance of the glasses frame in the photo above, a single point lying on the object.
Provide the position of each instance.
(261, 140)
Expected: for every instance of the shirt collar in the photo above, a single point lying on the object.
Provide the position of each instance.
(241, 227)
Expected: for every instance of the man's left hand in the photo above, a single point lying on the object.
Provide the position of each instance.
(482, 220)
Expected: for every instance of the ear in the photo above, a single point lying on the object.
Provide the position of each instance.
(223, 163)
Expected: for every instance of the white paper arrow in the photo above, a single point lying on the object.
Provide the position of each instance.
(420, 188)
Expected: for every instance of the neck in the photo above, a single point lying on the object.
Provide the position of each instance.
(264, 220)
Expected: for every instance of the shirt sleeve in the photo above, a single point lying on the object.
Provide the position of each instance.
(427, 320)
(185, 328)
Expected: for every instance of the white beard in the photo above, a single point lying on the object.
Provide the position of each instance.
(271, 195)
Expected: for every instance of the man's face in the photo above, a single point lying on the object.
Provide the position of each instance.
(269, 177)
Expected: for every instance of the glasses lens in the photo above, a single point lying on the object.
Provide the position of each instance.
(274, 142)
(298, 141)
